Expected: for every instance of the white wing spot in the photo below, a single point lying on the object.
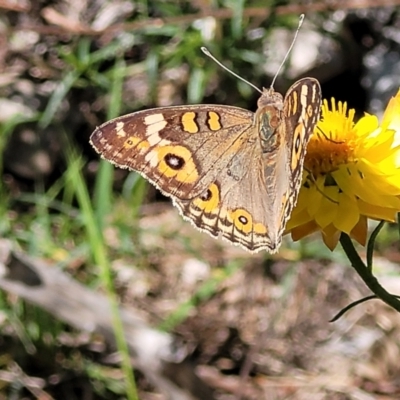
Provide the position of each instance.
(152, 159)
(119, 128)
(155, 123)
(153, 119)
(303, 101)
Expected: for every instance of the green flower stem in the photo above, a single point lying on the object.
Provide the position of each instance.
(365, 273)
(371, 245)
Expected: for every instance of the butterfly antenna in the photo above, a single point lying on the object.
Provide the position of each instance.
(207, 53)
(301, 19)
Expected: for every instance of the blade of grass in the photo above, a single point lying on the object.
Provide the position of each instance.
(95, 238)
(104, 180)
(103, 191)
(57, 97)
(196, 86)
(134, 190)
(237, 20)
(95, 223)
(152, 61)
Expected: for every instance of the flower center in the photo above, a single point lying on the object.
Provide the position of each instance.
(325, 155)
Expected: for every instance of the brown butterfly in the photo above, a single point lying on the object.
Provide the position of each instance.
(231, 172)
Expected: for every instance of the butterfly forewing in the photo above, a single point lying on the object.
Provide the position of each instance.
(181, 149)
(301, 110)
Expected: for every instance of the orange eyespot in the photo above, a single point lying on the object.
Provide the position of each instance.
(177, 162)
(209, 200)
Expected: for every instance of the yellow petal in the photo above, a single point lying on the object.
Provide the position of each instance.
(366, 125)
(353, 183)
(315, 196)
(377, 212)
(348, 213)
(330, 236)
(391, 116)
(329, 207)
(360, 231)
(304, 230)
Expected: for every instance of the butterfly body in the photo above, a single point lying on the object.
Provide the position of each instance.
(231, 172)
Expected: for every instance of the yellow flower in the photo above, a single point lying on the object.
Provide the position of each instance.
(351, 173)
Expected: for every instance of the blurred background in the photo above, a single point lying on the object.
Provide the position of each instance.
(251, 326)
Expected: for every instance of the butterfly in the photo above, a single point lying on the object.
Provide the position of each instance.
(233, 173)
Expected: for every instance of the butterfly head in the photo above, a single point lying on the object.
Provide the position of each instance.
(269, 115)
(270, 98)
